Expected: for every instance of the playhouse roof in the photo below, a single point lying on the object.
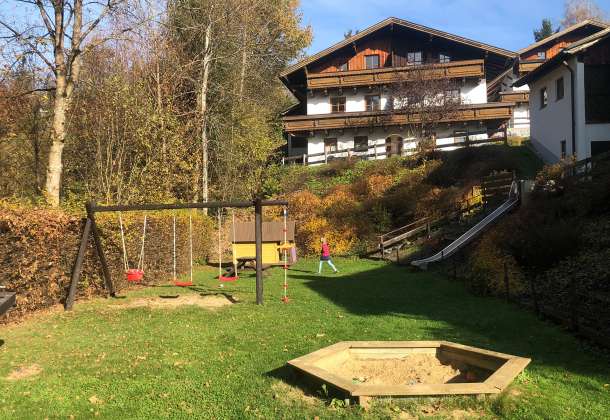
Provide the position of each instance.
(272, 231)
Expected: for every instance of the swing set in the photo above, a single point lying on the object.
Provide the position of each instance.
(233, 277)
(136, 275)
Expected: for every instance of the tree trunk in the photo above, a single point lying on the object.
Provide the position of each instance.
(203, 108)
(58, 135)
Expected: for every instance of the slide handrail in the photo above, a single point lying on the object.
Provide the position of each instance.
(463, 240)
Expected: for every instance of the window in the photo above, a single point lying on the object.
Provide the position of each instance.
(373, 102)
(453, 96)
(559, 89)
(563, 149)
(544, 98)
(414, 57)
(343, 67)
(443, 58)
(361, 143)
(460, 136)
(330, 145)
(597, 93)
(371, 61)
(337, 104)
(541, 55)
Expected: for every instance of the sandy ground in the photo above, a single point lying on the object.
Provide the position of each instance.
(208, 302)
(411, 370)
(24, 372)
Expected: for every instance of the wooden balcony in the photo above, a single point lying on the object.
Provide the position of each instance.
(527, 66)
(515, 96)
(343, 120)
(456, 69)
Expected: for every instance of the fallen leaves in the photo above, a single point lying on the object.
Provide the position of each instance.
(95, 400)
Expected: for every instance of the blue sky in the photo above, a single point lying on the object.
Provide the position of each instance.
(502, 23)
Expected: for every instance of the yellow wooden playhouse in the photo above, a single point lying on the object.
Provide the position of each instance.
(273, 238)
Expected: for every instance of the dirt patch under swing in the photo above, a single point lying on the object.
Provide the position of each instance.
(410, 370)
(24, 372)
(208, 302)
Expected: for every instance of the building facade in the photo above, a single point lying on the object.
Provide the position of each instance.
(346, 99)
(528, 59)
(570, 100)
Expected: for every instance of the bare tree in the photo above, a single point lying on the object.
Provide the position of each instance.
(62, 32)
(576, 11)
(427, 101)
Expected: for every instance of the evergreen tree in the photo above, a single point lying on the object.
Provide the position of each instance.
(545, 30)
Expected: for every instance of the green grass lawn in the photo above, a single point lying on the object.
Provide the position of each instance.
(108, 361)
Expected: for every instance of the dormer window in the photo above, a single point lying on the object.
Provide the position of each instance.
(343, 67)
(443, 58)
(414, 58)
(371, 61)
(541, 55)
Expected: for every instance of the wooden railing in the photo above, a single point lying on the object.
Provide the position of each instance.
(456, 69)
(396, 237)
(320, 122)
(514, 96)
(527, 66)
(496, 186)
(373, 152)
(582, 168)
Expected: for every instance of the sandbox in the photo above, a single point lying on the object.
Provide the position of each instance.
(365, 369)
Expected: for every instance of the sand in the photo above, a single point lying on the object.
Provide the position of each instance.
(409, 370)
(208, 302)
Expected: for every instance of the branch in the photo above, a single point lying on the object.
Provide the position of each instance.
(105, 12)
(27, 92)
(33, 48)
(45, 18)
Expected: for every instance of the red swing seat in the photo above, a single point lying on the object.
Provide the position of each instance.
(227, 279)
(134, 275)
(183, 283)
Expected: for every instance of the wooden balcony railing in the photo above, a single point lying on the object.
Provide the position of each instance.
(378, 151)
(456, 69)
(309, 123)
(515, 96)
(527, 66)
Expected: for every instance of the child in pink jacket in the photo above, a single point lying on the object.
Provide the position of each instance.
(325, 256)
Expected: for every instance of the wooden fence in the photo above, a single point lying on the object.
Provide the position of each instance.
(414, 230)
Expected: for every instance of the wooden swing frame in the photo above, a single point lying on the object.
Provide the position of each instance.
(91, 229)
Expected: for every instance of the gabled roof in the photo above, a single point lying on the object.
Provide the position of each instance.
(570, 50)
(399, 22)
(592, 22)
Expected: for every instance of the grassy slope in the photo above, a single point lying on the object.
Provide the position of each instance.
(189, 362)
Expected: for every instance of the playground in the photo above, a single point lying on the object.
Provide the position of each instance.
(161, 352)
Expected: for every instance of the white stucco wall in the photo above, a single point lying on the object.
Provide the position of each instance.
(471, 92)
(474, 92)
(553, 123)
(377, 139)
(519, 124)
(320, 103)
(594, 132)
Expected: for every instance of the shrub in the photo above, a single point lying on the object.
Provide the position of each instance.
(38, 247)
(486, 266)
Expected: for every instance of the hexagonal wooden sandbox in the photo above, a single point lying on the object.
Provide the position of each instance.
(365, 369)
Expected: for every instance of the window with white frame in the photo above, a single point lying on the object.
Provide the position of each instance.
(414, 57)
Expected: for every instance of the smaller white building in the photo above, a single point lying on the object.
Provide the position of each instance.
(570, 100)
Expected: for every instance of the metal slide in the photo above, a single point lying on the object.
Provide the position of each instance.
(453, 247)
